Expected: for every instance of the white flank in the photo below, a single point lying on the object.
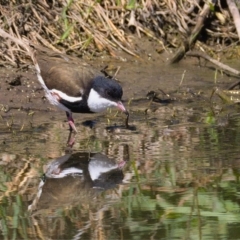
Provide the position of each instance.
(53, 95)
(96, 103)
(65, 96)
(65, 172)
(95, 169)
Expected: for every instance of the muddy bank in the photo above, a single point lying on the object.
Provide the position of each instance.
(21, 96)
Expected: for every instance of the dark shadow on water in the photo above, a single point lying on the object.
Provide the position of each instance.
(115, 127)
(92, 123)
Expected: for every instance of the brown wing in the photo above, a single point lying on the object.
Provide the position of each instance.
(67, 74)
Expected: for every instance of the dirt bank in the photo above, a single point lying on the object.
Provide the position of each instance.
(21, 94)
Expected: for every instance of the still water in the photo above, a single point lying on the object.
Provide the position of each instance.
(173, 175)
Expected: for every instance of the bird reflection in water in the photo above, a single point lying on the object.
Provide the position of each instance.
(76, 177)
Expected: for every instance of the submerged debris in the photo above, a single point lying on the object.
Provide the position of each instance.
(155, 97)
(126, 121)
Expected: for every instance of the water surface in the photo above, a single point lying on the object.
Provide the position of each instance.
(177, 181)
(173, 175)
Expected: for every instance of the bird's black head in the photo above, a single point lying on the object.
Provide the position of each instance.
(107, 88)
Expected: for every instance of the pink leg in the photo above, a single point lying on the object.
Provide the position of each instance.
(71, 139)
(73, 130)
(71, 122)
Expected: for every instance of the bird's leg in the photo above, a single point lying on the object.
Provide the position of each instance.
(71, 139)
(71, 122)
(73, 130)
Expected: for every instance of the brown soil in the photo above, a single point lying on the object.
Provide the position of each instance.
(20, 92)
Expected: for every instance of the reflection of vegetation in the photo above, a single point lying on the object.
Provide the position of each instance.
(180, 212)
(4, 177)
(144, 208)
(14, 226)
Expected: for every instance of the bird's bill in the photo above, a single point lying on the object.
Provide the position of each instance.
(121, 106)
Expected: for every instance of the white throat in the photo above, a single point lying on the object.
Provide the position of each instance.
(96, 103)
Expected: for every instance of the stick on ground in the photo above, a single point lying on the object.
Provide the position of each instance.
(222, 66)
(194, 34)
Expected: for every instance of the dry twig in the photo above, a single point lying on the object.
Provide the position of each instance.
(222, 66)
(105, 25)
(235, 13)
(193, 36)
